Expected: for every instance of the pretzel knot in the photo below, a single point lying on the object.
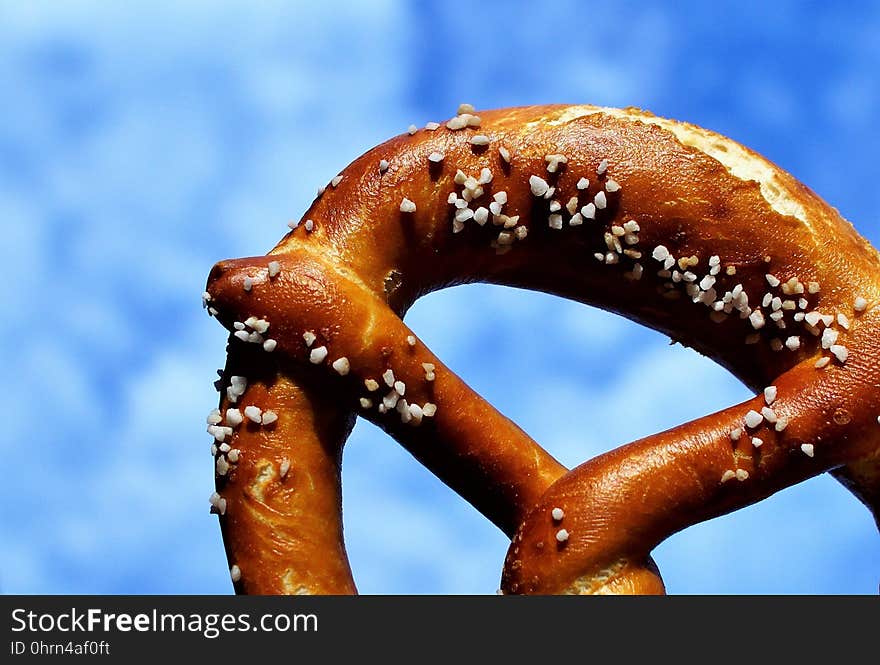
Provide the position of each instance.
(662, 222)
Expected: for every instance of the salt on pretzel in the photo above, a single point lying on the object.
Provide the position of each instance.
(665, 223)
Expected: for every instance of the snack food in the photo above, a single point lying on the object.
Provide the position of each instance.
(662, 222)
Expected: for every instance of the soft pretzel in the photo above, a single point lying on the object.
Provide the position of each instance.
(665, 223)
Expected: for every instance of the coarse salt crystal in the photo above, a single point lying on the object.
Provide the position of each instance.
(318, 354)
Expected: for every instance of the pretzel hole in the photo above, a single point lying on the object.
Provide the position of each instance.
(579, 380)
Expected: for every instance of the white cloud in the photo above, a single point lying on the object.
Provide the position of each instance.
(114, 229)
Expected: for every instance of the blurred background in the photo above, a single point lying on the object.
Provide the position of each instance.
(140, 142)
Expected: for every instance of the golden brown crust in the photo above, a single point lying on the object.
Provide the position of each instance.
(283, 494)
(349, 273)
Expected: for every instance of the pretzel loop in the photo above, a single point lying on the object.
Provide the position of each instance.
(665, 223)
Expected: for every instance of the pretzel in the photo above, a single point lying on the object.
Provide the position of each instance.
(662, 222)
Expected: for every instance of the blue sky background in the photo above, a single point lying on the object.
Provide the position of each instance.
(142, 142)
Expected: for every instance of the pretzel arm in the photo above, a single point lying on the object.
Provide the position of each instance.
(617, 507)
(279, 494)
